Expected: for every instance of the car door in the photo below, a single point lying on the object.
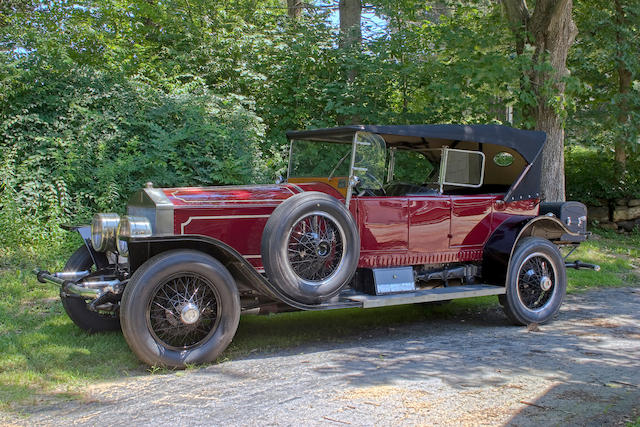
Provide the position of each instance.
(384, 226)
(470, 220)
(429, 225)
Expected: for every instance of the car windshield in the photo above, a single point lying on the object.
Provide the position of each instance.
(319, 159)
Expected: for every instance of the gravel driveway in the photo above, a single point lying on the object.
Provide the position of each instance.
(583, 368)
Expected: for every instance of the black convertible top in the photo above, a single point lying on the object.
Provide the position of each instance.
(526, 142)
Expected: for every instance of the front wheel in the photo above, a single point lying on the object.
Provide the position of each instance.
(181, 307)
(536, 282)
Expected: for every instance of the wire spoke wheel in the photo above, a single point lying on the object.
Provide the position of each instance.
(183, 311)
(315, 247)
(536, 281)
(310, 247)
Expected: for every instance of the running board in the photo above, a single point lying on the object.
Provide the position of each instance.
(427, 295)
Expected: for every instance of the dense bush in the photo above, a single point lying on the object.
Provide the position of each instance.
(74, 140)
(593, 177)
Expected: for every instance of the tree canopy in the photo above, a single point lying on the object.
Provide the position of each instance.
(99, 96)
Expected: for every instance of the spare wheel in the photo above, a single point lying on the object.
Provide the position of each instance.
(310, 247)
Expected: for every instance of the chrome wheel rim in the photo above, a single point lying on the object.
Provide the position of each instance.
(183, 311)
(536, 283)
(315, 248)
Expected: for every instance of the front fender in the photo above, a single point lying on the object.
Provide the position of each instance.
(245, 275)
(99, 258)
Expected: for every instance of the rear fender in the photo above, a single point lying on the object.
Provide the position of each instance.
(500, 246)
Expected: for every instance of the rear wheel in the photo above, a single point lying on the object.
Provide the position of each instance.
(181, 307)
(310, 247)
(536, 282)
(77, 307)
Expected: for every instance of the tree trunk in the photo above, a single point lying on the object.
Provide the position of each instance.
(350, 39)
(624, 86)
(350, 21)
(294, 9)
(551, 31)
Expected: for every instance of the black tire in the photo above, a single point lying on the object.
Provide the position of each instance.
(310, 247)
(77, 307)
(155, 301)
(536, 282)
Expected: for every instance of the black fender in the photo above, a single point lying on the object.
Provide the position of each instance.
(501, 244)
(246, 276)
(99, 258)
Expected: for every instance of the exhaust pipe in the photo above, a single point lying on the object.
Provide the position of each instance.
(582, 265)
(87, 289)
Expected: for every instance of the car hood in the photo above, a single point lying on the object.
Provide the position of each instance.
(163, 206)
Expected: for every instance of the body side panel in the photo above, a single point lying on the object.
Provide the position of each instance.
(429, 223)
(470, 220)
(383, 223)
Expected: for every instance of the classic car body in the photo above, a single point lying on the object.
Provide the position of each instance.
(342, 232)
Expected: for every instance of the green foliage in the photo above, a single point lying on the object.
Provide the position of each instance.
(593, 177)
(81, 140)
(602, 46)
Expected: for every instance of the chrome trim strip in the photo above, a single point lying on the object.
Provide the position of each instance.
(428, 295)
(296, 187)
(191, 218)
(252, 256)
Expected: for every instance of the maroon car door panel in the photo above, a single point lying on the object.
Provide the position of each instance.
(470, 220)
(429, 226)
(384, 224)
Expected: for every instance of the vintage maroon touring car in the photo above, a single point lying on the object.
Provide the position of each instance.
(368, 216)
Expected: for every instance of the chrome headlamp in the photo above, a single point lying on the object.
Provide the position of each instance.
(131, 226)
(103, 231)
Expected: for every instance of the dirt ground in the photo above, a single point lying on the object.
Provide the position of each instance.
(582, 369)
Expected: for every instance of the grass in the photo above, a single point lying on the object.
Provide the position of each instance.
(44, 357)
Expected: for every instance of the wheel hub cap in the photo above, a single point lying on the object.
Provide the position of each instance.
(323, 248)
(545, 283)
(189, 314)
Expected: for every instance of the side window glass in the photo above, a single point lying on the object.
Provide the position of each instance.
(463, 168)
